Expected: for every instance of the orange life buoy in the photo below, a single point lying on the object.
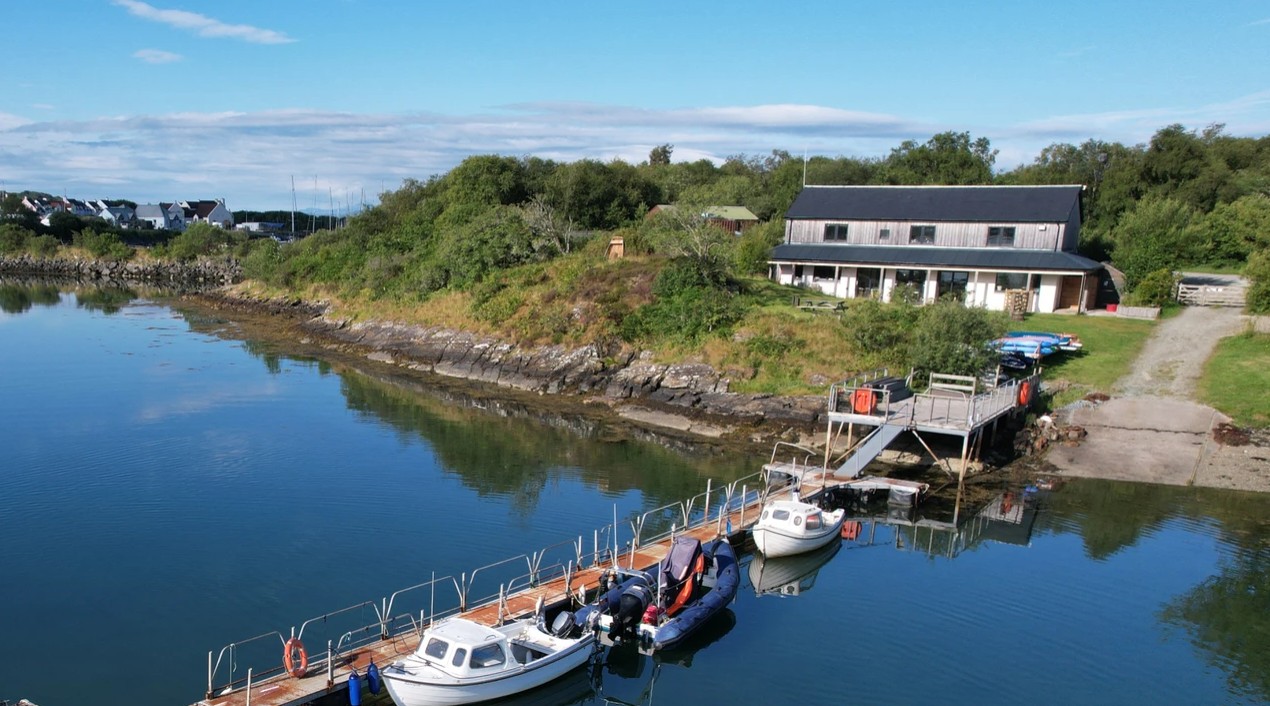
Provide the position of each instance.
(1025, 393)
(293, 649)
(863, 401)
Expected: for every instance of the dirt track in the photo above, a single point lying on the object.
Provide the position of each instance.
(1153, 431)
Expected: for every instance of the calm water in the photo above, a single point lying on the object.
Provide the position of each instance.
(166, 489)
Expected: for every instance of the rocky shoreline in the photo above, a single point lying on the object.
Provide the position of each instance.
(691, 398)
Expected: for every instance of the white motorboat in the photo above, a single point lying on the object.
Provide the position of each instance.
(789, 527)
(789, 575)
(462, 662)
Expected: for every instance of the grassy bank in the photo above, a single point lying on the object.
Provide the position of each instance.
(1236, 379)
(1111, 345)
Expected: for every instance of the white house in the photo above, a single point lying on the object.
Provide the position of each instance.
(162, 216)
(975, 242)
(212, 212)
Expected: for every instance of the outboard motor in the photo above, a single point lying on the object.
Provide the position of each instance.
(564, 626)
(630, 610)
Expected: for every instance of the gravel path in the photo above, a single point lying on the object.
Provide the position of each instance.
(1173, 358)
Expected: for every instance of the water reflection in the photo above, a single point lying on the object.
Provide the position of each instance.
(1228, 617)
(16, 298)
(789, 575)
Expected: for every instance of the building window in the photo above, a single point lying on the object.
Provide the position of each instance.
(835, 231)
(1011, 280)
(922, 235)
(1001, 237)
(884, 234)
(820, 272)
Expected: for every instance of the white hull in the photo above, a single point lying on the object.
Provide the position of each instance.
(408, 691)
(773, 542)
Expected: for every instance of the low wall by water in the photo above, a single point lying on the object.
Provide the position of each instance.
(215, 272)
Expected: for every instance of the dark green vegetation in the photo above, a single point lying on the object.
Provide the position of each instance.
(516, 246)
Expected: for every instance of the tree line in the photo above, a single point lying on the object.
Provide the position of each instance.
(1186, 199)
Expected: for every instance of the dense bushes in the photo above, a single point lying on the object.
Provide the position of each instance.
(1258, 272)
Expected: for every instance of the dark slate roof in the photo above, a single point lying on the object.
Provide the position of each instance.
(1009, 204)
(979, 258)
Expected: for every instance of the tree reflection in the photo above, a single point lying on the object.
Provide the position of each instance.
(107, 300)
(1228, 616)
(19, 298)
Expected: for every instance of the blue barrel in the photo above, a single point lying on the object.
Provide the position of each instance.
(354, 689)
(372, 678)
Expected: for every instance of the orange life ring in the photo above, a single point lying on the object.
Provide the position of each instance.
(1025, 393)
(297, 668)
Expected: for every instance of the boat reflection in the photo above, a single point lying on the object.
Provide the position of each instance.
(789, 575)
(624, 665)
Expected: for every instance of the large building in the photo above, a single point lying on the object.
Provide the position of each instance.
(973, 242)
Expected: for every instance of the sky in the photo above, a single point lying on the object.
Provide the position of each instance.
(165, 100)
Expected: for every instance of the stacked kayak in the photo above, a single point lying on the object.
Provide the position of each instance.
(1034, 345)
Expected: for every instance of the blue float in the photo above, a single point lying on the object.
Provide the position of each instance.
(354, 689)
(372, 678)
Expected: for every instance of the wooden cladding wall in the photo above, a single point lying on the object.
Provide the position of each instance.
(1027, 236)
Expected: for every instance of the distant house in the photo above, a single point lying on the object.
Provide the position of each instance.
(974, 242)
(733, 219)
(161, 216)
(118, 215)
(210, 212)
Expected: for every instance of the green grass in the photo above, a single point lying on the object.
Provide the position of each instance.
(1236, 379)
(1111, 345)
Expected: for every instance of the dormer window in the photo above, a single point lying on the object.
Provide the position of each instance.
(835, 232)
(1001, 237)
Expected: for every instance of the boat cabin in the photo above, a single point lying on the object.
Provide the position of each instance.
(463, 648)
(799, 516)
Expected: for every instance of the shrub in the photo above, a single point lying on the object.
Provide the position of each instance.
(1258, 271)
(43, 245)
(953, 339)
(14, 238)
(106, 246)
(1155, 289)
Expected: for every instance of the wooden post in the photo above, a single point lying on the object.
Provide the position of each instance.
(961, 478)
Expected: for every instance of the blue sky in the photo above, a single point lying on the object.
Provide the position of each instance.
(172, 99)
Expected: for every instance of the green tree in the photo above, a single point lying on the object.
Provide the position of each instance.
(1156, 234)
(946, 158)
(660, 155)
(1233, 230)
(953, 339)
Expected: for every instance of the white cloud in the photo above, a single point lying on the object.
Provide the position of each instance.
(43, 106)
(250, 158)
(156, 56)
(203, 25)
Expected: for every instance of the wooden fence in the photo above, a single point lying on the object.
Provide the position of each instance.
(1210, 295)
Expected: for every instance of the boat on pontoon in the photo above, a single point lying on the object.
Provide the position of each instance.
(789, 527)
(459, 661)
(658, 610)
